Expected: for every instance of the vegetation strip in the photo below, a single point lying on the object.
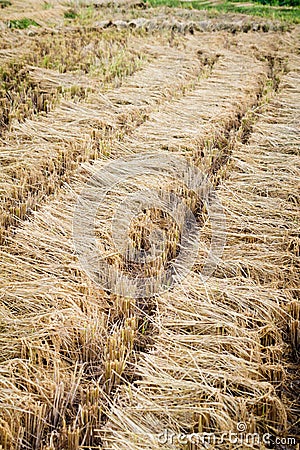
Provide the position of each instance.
(289, 15)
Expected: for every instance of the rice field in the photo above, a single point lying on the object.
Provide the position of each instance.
(126, 132)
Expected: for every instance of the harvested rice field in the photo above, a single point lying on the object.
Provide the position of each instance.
(149, 227)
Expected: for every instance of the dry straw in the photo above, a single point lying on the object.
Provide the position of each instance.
(199, 358)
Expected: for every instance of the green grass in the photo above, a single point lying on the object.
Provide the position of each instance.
(71, 14)
(278, 2)
(22, 23)
(286, 14)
